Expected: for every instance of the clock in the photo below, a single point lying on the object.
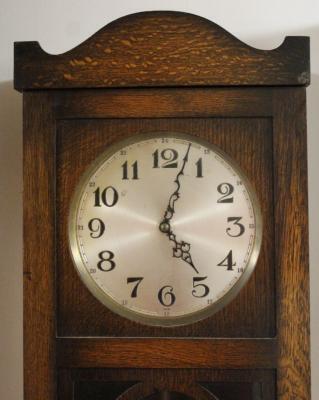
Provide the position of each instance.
(164, 229)
(165, 215)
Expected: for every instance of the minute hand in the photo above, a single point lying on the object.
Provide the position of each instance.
(170, 211)
(181, 248)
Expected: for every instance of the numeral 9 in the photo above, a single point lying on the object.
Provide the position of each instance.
(97, 228)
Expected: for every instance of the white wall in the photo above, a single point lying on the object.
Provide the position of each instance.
(60, 25)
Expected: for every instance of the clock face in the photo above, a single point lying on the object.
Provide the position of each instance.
(164, 229)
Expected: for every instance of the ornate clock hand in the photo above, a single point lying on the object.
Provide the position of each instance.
(181, 249)
(170, 210)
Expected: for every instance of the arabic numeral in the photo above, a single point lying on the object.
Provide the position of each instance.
(155, 159)
(168, 157)
(239, 231)
(228, 262)
(106, 262)
(226, 189)
(200, 289)
(107, 196)
(137, 282)
(134, 170)
(166, 296)
(97, 228)
(199, 165)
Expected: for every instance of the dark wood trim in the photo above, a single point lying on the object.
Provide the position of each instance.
(39, 247)
(166, 353)
(291, 215)
(165, 103)
(162, 48)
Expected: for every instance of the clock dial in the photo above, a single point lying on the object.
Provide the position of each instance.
(164, 229)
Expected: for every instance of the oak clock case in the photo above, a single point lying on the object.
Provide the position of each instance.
(156, 229)
(164, 229)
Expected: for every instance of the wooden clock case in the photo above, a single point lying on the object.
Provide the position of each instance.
(165, 71)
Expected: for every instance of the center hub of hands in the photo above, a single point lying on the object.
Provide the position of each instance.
(164, 227)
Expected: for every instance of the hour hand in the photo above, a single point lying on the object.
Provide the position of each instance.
(181, 249)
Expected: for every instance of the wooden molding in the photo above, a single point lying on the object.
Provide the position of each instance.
(162, 48)
(166, 353)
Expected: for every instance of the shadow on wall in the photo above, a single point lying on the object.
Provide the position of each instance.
(10, 180)
(10, 170)
(10, 241)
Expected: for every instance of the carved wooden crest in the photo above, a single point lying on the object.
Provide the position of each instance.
(162, 49)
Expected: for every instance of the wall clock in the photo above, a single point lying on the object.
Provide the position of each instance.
(165, 215)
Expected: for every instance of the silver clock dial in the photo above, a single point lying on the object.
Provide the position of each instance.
(164, 229)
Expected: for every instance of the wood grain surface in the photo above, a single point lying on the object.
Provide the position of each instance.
(166, 353)
(291, 215)
(164, 103)
(39, 318)
(162, 48)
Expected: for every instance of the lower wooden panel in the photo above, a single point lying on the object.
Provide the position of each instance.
(166, 353)
(166, 384)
